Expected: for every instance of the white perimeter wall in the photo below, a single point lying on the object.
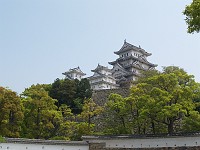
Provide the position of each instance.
(17, 146)
(150, 142)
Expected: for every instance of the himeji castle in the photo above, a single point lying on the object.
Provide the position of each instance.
(126, 68)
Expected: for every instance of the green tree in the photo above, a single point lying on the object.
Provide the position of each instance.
(159, 102)
(11, 113)
(71, 92)
(192, 13)
(90, 110)
(172, 93)
(192, 122)
(116, 115)
(42, 120)
(64, 91)
(197, 102)
(83, 91)
(54, 90)
(68, 126)
(146, 103)
(66, 113)
(80, 130)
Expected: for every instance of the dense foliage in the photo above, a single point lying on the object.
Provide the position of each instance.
(164, 102)
(71, 93)
(192, 13)
(46, 111)
(159, 102)
(11, 113)
(41, 118)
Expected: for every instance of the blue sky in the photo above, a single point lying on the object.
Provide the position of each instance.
(41, 39)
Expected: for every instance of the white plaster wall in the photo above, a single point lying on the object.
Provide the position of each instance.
(96, 74)
(98, 86)
(135, 53)
(75, 76)
(145, 66)
(16, 146)
(152, 142)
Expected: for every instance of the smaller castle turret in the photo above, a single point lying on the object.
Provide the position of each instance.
(74, 73)
(102, 79)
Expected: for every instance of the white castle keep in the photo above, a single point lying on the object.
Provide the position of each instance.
(132, 60)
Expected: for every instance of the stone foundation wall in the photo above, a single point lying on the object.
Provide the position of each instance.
(100, 97)
(97, 146)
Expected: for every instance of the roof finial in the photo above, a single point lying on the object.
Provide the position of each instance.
(125, 41)
(139, 46)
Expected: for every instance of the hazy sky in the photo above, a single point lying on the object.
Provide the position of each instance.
(41, 39)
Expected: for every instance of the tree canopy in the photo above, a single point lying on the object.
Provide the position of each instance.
(41, 118)
(11, 113)
(71, 93)
(160, 102)
(192, 13)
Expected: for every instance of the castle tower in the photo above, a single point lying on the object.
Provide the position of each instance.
(131, 61)
(102, 79)
(74, 73)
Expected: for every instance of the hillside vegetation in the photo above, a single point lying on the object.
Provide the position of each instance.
(159, 102)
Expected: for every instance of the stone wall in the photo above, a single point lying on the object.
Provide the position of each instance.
(97, 146)
(100, 97)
